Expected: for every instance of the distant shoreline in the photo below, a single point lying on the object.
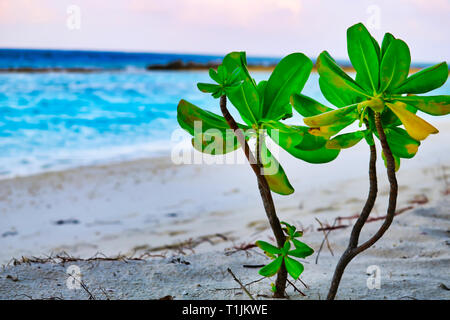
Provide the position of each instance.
(162, 67)
(75, 61)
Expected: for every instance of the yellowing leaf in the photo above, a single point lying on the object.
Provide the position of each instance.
(416, 127)
(328, 131)
(335, 117)
(434, 105)
(345, 140)
(274, 173)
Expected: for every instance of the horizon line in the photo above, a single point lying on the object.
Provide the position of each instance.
(346, 60)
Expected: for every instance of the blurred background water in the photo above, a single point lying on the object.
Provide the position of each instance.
(51, 121)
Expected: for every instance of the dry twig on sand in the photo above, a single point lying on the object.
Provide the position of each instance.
(325, 239)
(240, 283)
(295, 288)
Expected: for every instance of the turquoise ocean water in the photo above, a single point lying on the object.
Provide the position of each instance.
(51, 121)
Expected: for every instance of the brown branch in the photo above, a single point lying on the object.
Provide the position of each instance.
(264, 190)
(84, 286)
(240, 283)
(303, 283)
(390, 168)
(242, 247)
(353, 249)
(296, 289)
(325, 238)
(349, 253)
(333, 227)
(253, 266)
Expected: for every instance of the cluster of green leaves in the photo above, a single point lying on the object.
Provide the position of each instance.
(225, 81)
(293, 267)
(261, 106)
(381, 85)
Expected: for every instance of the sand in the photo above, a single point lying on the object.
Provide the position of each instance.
(186, 224)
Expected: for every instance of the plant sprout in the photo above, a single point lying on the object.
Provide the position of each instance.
(280, 255)
(382, 97)
(261, 106)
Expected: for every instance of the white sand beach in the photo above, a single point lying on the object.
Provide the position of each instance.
(187, 222)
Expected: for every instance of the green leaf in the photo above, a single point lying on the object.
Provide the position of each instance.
(289, 77)
(310, 142)
(214, 75)
(187, 114)
(285, 135)
(272, 268)
(310, 149)
(293, 267)
(346, 140)
(369, 137)
(327, 132)
(297, 137)
(286, 247)
(425, 80)
(261, 90)
(364, 57)
(321, 155)
(222, 72)
(265, 246)
(337, 80)
(389, 119)
(336, 96)
(395, 65)
(434, 105)
(297, 234)
(289, 228)
(396, 160)
(208, 87)
(377, 49)
(387, 39)
(301, 250)
(235, 60)
(273, 287)
(416, 127)
(234, 78)
(307, 106)
(294, 136)
(335, 117)
(245, 98)
(400, 143)
(274, 173)
(215, 136)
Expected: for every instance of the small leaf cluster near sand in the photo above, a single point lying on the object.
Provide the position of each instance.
(383, 98)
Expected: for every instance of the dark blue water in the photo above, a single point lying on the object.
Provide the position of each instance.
(21, 58)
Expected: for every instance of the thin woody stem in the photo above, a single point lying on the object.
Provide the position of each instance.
(349, 253)
(353, 249)
(373, 190)
(390, 168)
(264, 190)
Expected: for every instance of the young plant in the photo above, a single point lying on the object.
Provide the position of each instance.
(284, 254)
(382, 97)
(261, 106)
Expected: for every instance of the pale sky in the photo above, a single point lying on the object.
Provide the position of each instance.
(260, 27)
